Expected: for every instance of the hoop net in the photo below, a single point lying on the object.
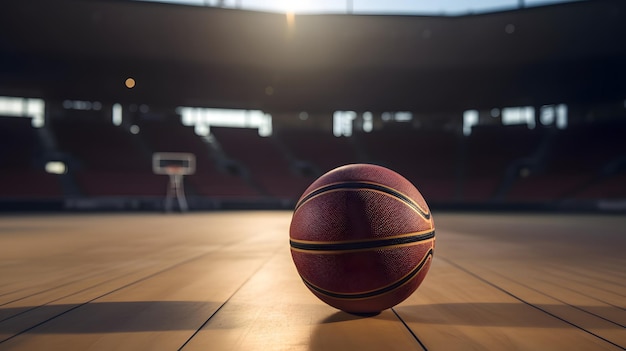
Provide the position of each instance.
(175, 170)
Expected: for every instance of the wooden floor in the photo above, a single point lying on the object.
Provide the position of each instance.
(225, 281)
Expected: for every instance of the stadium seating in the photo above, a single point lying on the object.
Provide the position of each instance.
(169, 135)
(584, 162)
(575, 159)
(610, 187)
(267, 165)
(109, 159)
(429, 159)
(321, 148)
(489, 152)
(22, 172)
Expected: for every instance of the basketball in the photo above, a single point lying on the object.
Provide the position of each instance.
(362, 238)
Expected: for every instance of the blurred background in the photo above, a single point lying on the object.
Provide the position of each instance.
(494, 105)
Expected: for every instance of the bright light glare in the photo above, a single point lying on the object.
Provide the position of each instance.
(24, 107)
(445, 7)
(519, 115)
(291, 7)
(291, 20)
(470, 118)
(130, 83)
(368, 122)
(342, 123)
(116, 114)
(204, 118)
(56, 167)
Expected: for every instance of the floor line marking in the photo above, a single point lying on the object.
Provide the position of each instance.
(269, 258)
(409, 329)
(528, 303)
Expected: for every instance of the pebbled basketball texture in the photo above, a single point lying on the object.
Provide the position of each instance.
(362, 238)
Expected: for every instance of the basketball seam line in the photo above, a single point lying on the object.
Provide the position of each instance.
(331, 252)
(368, 186)
(361, 245)
(373, 293)
(364, 239)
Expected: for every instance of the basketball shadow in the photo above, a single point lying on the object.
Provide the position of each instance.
(107, 317)
(345, 331)
(341, 316)
(341, 330)
(509, 315)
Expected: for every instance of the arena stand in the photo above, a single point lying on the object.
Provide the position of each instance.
(582, 162)
(428, 158)
(22, 174)
(263, 162)
(428, 66)
(108, 160)
(491, 153)
(496, 167)
(608, 187)
(169, 135)
(320, 148)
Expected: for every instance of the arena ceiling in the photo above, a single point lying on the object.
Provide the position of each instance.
(213, 57)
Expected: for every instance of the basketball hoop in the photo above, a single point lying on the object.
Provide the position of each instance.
(175, 165)
(174, 170)
(181, 163)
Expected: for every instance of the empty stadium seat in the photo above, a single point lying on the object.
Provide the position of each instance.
(22, 173)
(268, 166)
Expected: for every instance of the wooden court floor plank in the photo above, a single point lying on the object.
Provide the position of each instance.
(23, 316)
(579, 294)
(94, 265)
(159, 312)
(57, 293)
(603, 281)
(608, 270)
(541, 296)
(43, 253)
(39, 253)
(462, 314)
(454, 310)
(592, 291)
(556, 274)
(36, 276)
(46, 276)
(275, 311)
(43, 283)
(132, 268)
(579, 253)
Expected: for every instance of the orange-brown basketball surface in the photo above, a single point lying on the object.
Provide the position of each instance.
(362, 238)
